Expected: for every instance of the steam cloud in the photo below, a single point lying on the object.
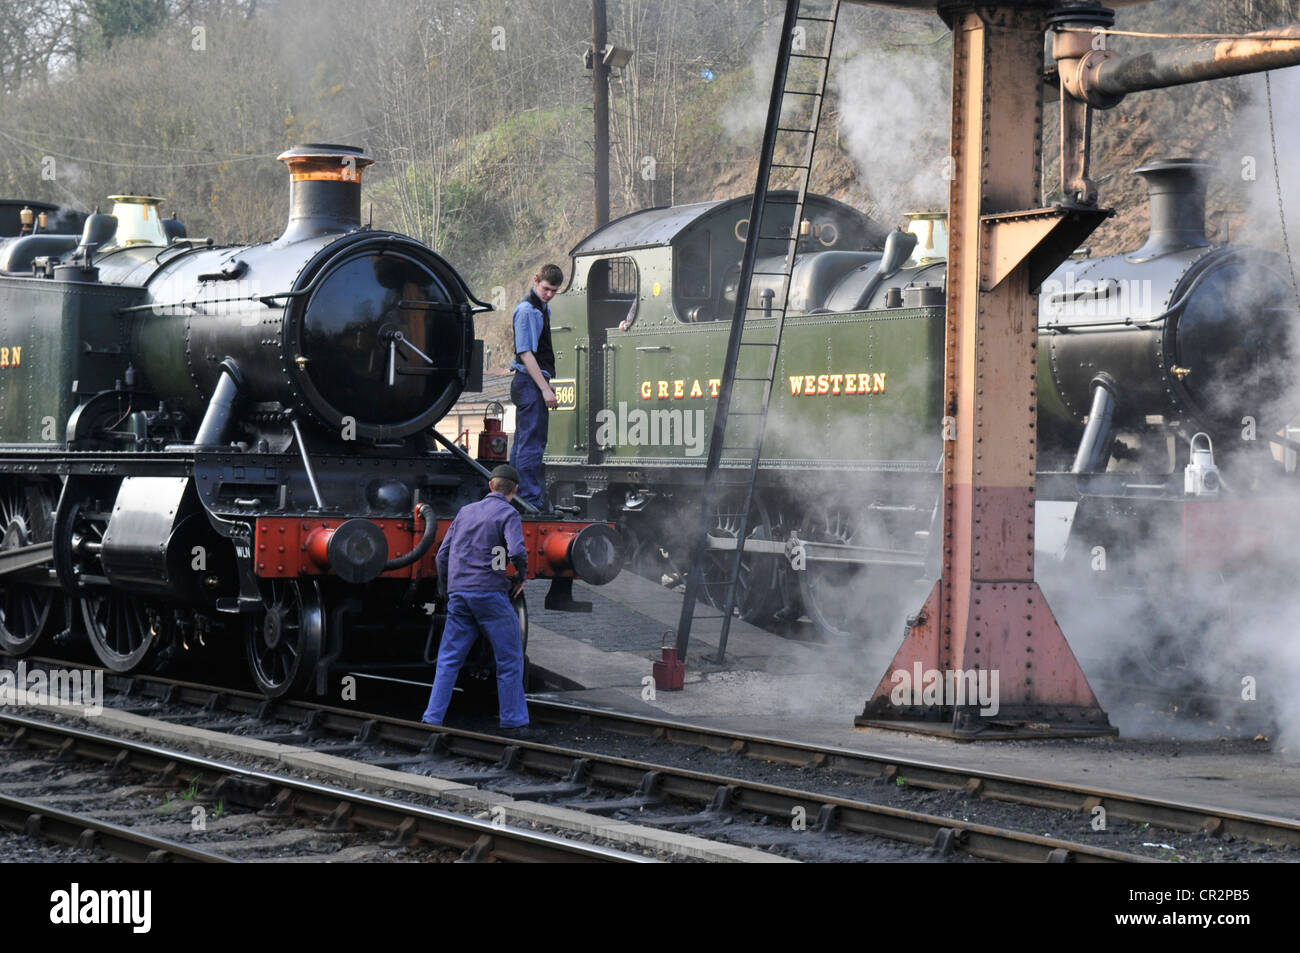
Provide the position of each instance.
(1249, 166)
(897, 130)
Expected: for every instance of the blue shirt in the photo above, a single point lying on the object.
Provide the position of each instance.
(529, 321)
(483, 532)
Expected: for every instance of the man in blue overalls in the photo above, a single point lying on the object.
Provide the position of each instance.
(530, 391)
(472, 574)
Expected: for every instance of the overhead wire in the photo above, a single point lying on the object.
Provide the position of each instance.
(33, 147)
(112, 142)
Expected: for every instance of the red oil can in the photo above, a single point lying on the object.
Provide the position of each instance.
(670, 674)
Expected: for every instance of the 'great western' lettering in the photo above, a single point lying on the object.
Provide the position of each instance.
(11, 356)
(680, 390)
(835, 385)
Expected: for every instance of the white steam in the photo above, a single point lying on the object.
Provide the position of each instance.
(744, 116)
(1250, 161)
(897, 128)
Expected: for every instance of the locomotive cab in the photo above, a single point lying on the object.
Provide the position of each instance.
(661, 281)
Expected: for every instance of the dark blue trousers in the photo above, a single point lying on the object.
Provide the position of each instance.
(532, 422)
(468, 615)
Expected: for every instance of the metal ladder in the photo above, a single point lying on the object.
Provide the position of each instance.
(789, 139)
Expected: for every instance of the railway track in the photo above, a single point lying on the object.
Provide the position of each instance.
(1160, 813)
(772, 816)
(291, 814)
(84, 832)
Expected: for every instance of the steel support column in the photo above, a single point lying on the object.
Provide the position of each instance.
(986, 614)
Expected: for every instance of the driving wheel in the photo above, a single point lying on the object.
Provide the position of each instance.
(833, 593)
(27, 611)
(757, 594)
(125, 631)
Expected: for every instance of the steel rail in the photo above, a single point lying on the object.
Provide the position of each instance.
(284, 796)
(36, 819)
(1182, 816)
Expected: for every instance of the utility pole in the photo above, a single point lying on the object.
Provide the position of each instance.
(600, 83)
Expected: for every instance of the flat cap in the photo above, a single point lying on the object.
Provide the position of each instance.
(506, 472)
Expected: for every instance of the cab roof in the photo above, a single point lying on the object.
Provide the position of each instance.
(657, 227)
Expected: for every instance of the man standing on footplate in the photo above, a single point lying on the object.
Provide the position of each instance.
(530, 391)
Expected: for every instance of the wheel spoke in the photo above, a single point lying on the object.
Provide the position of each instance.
(294, 610)
(756, 595)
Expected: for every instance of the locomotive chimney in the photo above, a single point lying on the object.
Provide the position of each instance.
(1177, 192)
(324, 189)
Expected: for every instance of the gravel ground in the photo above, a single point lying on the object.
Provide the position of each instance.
(758, 832)
(622, 625)
(80, 788)
(1111, 753)
(21, 849)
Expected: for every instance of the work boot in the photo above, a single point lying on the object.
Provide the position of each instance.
(522, 733)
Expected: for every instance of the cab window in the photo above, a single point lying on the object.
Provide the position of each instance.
(612, 288)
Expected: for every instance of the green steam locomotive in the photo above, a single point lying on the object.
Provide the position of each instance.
(1138, 354)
